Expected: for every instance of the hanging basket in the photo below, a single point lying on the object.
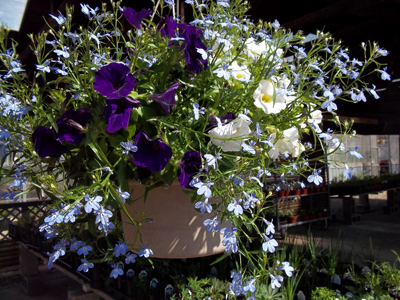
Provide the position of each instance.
(176, 230)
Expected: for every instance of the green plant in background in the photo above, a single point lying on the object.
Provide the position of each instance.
(324, 293)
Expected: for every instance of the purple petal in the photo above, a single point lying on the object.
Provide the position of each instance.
(114, 81)
(117, 112)
(71, 124)
(135, 18)
(46, 144)
(151, 154)
(166, 99)
(190, 166)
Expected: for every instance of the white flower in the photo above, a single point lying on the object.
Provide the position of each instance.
(254, 49)
(264, 98)
(240, 73)
(238, 128)
(289, 144)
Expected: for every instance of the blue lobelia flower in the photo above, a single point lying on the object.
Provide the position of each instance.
(145, 252)
(85, 266)
(166, 99)
(212, 224)
(203, 188)
(203, 206)
(129, 147)
(269, 244)
(151, 154)
(117, 113)
(287, 268)
(314, 177)
(116, 271)
(122, 195)
(236, 207)
(60, 19)
(120, 248)
(114, 81)
(251, 200)
(348, 172)
(355, 153)
(130, 258)
(135, 18)
(84, 249)
(270, 227)
(197, 110)
(75, 245)
(103, 216)
(275, 281)
(249, 285)
(92, 203)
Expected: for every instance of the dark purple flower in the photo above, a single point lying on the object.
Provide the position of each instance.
(151, 154)
(114, 81)
(166, 99)
(71, 124)
(46, 144)
(191, 164)
(193, 42)
(135, 18)
(117, 112)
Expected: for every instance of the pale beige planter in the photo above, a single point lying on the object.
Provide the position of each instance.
(177, 230)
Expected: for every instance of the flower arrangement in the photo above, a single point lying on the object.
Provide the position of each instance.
(220, 104)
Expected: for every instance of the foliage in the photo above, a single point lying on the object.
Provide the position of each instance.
(219, 104)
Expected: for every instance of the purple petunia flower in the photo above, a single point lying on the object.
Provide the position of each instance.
(166, 99)
(46, 143)
(135, 18)
(193, 57)
(151, 154)
(191, 164)
(117, 112)
(71, 124)
(114, 81)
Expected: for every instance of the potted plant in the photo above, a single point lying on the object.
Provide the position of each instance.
(108, 118)
(291, 218)
(304, 215)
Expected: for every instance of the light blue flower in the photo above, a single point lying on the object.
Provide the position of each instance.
(102, 215)
(145, 252)
(258, 131)
(270, 227)
(212, 160)
(75, 245)
(212, 224)
(203, 206)
(120, 248)
(84, 249)
(249, 285)
(60, 19)
(223, 72)
(64, 52)
(269, 244)
(235, 207)
(348, 172)
(129, 147)
(85, 266)
(122, 195)
(384, 74)
(275, 281)
(197, 110)
(355, 153)
(287, 268)
(203, 188)
(92, 203)
(116, 271)
(130, 258)
(251, 200)
(249, 148)
(315, 177)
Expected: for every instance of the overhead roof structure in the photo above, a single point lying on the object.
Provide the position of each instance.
(352, 21)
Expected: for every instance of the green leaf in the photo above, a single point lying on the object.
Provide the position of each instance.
(130, 45)
(96, 149)
(146, 112)
(220, 259)
(53, 123)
